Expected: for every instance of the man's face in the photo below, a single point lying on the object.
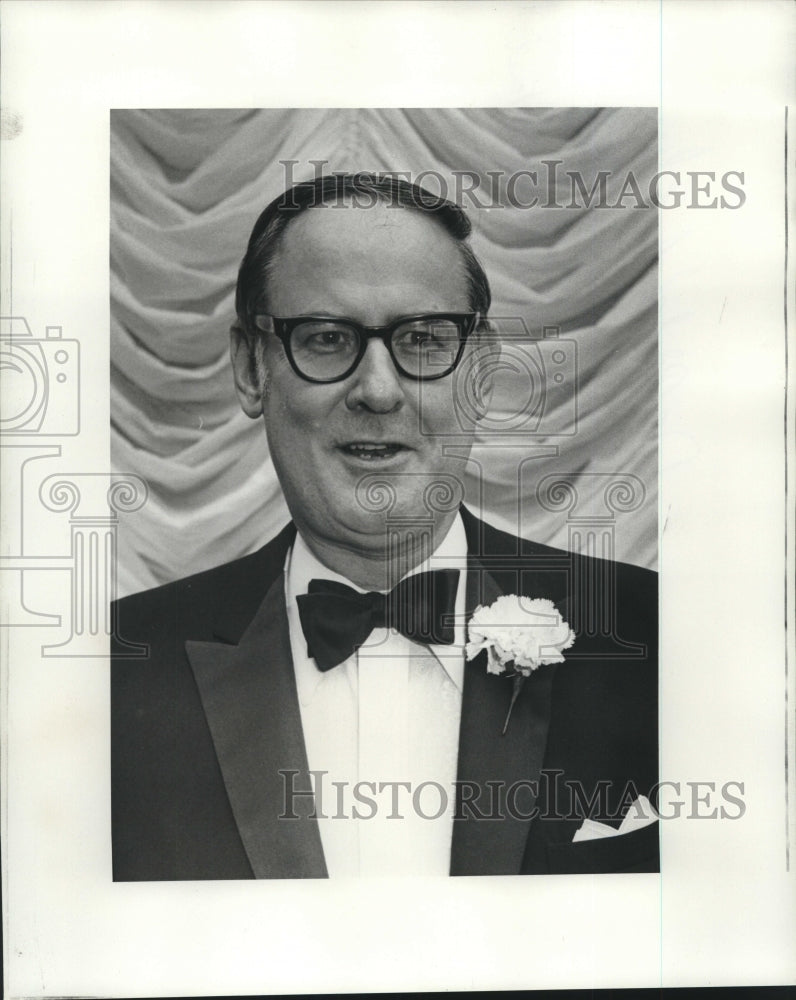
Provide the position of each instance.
(371, 265)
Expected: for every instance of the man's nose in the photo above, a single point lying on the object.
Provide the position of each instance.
(376, 382)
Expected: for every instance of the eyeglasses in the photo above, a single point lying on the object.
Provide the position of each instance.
(323, 349)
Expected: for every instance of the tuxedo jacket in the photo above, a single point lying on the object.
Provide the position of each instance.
(206, 726)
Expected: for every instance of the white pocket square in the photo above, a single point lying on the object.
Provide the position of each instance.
(639, 815)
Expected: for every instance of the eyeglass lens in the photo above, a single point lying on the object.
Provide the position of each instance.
(326, 349)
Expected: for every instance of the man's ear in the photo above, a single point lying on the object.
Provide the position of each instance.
(483, 367)
(248, 379)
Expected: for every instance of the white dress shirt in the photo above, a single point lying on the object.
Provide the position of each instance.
(388, 714)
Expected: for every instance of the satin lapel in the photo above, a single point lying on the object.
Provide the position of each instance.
(490, 764)
(249, 697)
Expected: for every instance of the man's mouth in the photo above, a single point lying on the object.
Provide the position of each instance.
(372, 451)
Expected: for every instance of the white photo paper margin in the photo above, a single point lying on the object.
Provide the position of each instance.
(722, 911)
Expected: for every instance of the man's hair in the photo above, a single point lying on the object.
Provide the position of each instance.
(363, 190)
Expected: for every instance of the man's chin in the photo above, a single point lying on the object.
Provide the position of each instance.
(381, 512)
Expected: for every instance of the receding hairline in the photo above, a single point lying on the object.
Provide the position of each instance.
(330, 192)
(297, 222)
(353, 225)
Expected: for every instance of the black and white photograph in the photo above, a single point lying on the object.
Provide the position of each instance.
(396, 411)
(389, 683)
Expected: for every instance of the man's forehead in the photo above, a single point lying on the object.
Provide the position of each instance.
(382, 223)
(380, 245)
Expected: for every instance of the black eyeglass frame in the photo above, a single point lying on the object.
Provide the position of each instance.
(284, 326)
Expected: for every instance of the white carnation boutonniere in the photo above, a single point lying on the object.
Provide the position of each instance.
(520, 635)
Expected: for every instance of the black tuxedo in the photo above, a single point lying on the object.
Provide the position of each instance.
(202, 727)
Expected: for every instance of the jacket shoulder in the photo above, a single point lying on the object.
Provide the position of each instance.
(230, 592)
(504, 551)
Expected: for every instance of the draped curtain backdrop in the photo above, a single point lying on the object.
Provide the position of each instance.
(186, 187)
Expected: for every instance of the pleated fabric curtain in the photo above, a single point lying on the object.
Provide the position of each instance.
(186, 187)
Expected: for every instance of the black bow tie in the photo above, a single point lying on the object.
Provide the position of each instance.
(337, 619)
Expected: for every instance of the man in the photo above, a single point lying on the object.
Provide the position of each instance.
(333, 660)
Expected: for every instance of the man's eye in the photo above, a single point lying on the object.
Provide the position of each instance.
(328, 337)
(425, 336)
(323, 338)
(413, 336)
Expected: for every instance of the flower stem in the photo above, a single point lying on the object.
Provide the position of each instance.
(519, 680)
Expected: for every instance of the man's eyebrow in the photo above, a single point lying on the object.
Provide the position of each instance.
(320, 314)
(394, 317)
